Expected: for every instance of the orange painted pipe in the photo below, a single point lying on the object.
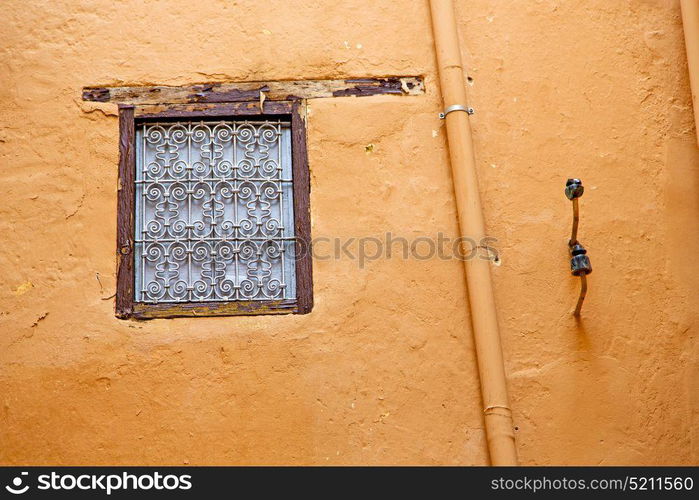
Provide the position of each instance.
(690, 23)
(491, 368)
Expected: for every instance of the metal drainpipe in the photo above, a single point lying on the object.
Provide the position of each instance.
(497, 413)
(690, 23)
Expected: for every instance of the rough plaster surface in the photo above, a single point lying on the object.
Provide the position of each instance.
(383, 370)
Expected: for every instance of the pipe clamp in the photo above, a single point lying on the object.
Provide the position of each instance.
(455, 107)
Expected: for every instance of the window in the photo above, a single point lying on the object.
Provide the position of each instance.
(213, 211)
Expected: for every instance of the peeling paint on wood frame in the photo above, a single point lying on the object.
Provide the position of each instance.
(251, 91)
(237, 308)
(126, 192)
(209, 109)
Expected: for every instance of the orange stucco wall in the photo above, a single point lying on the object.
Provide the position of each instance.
(383, 370)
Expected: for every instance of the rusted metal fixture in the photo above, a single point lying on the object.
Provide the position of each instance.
(579, 262)
(574, 190)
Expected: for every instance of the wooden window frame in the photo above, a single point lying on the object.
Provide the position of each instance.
(129, 116)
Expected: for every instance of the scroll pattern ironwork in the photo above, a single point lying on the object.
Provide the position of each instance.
(214, 212)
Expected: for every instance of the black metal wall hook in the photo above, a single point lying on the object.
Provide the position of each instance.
(579, 262)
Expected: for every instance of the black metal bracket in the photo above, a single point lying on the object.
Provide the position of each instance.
(579, 262)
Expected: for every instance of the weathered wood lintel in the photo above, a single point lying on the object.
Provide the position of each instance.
(250, 91)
